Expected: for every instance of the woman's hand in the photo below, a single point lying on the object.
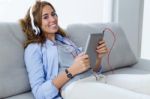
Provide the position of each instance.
(81, 64)
(101, 49)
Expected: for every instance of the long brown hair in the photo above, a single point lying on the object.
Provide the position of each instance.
(27, 28)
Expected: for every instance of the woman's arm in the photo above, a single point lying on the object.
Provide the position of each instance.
(98, 65)
(41, 88)
(49, 89)
(62, 78)
(101, 51)
(81, 64)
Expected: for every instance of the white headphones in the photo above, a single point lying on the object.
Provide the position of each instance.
(35, 28)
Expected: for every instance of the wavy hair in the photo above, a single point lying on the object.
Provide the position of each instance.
(27, 27)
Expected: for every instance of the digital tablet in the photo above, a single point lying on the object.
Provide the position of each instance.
(90, 47)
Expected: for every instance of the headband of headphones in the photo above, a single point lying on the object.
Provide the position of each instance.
(35, 28)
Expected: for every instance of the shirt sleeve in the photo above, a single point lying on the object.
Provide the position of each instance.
(41, 88)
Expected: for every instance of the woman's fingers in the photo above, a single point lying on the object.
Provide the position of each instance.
(102, 50)
(101, 46)
(101, 42)
(81, 54)
(84, 60)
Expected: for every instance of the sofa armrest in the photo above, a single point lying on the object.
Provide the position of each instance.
(142, 64)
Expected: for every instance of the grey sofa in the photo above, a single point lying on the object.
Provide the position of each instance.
(14, 83)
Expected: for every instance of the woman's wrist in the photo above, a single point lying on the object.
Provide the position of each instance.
(99, 57)
(98, 64)
(72, 71)
(68, 74)
(98, 68)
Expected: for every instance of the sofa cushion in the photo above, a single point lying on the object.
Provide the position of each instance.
(13, 75)
(27, 95)
(121, 54)
(127, 70)
(92, 89)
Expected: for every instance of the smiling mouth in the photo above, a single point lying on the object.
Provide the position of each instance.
(54, 26)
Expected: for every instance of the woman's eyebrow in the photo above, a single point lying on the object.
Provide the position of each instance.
(45, 14)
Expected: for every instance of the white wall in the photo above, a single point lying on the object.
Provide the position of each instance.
(82, 11)
(145, 51)
(13, 10)
(69, 11)
(128, 13)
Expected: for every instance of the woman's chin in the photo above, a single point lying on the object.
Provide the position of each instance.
(52, 32)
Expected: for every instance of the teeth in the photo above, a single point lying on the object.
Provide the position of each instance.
(54, 25)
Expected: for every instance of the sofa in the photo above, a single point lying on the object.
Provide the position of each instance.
(14, 82)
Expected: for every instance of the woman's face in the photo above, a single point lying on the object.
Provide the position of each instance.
(49, 20)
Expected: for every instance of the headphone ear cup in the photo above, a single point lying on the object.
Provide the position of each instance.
(38, 29)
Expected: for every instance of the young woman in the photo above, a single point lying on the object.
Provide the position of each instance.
(51, 58)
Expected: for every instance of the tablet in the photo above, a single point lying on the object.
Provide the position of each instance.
(90, 47)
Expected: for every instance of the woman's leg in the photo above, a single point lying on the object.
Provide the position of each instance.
(135, 82)
(89, 88)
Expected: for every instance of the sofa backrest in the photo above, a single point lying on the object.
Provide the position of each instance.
(13, 75)
(121, 54)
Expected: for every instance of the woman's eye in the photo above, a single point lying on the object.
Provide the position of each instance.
(53, 14)
(45, 17)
